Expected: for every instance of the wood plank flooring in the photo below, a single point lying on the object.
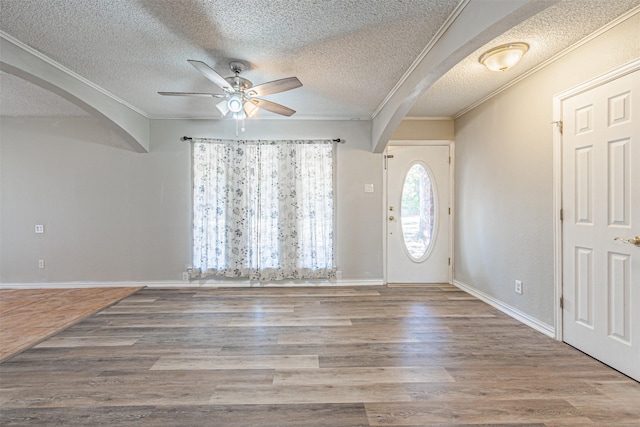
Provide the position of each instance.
(365, 356)
(29, 316)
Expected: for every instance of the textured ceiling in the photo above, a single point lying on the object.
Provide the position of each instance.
(20, 98)
(349, 54)
(547, 33)
(135, 48)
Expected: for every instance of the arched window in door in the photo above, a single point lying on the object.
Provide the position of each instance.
(418, 212)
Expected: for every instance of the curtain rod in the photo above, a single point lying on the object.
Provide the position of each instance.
(338, 140)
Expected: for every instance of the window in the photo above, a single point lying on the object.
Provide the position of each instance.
(418, 212)
(263, 209)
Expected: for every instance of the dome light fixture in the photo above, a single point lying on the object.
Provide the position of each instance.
(503, 57)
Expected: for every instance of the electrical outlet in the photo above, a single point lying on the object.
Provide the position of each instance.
(339, 275)
(40, 263)
(185, 275)
(39, 228)
(519, 287)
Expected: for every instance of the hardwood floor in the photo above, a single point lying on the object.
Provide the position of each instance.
(29, 316)
(366, 356)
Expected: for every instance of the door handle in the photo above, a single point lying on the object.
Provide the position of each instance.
(635, 241)
(391, 218)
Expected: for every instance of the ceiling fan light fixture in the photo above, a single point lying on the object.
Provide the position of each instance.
(503, 57)
(223, 108)
(239, 92)
(235, 104)
(250, 108)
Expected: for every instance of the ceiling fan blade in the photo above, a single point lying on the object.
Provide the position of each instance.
(213, 95)
(275, 86)
(272, 106)
(211, 74)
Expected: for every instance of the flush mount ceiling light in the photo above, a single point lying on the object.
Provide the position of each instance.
(503, 57)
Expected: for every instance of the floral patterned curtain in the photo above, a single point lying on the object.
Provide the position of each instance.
(263, 210)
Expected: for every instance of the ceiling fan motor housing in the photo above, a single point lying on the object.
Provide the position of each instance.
(239, 83)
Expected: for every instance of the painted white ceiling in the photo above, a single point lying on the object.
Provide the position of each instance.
(349, 54)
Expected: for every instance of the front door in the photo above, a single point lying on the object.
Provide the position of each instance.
(601, 206)
(418, 214)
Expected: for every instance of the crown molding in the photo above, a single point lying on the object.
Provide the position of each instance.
(431, 118)
(450, 20)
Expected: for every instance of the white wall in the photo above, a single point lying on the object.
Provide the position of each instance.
(504, 182)
(112, 215)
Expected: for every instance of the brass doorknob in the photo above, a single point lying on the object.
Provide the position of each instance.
(635, 241)
(391, 218)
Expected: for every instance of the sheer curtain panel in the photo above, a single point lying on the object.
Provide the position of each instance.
(263, 210)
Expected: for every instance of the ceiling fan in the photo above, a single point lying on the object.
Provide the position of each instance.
(239, 93)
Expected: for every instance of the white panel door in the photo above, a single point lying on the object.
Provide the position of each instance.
(418, 179)
(601, 206)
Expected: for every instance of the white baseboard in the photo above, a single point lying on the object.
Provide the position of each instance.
(532, 322)
(70, 285)
(193, 284)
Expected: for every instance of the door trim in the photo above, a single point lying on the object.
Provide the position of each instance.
(558, 99)
(426, 142)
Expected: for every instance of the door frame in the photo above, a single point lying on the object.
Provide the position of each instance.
(422, 142)
(558, 100)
